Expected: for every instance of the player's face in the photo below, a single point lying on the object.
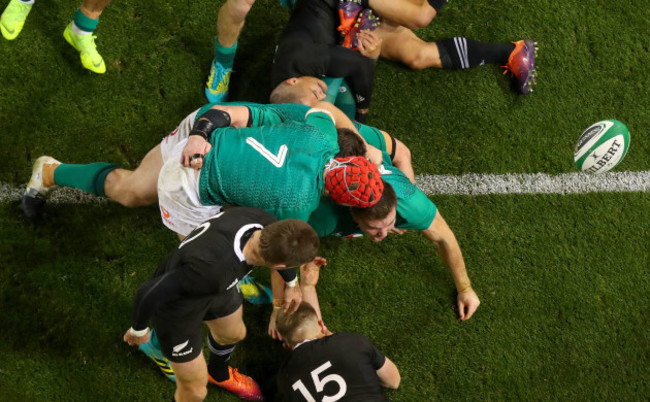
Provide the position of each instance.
(312, 90)
(379, 229)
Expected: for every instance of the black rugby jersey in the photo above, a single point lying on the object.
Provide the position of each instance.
(208, 262)
(342, 367)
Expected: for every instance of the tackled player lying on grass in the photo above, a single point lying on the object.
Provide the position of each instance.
(402, 207)
(284, 144)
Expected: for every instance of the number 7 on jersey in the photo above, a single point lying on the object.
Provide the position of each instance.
(276, 160)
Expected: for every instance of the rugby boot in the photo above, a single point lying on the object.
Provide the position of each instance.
(152, 350)
(241, 385)
(521, 63)
(348, 12)
(35, 193)
(85, 45)
(254, 292)
(216, 89)
(366, 20)
(13, 18)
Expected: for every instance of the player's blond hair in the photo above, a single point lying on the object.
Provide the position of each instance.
(296, 327)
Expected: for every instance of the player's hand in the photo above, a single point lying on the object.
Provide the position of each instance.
(398, 231)
(273, 331)
(194, 151)
(310, 272)
(468, 302)
(292, 294)
(369, 44)
(136, 340)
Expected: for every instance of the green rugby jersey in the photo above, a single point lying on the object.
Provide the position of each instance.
(278, 168)
(414, 209)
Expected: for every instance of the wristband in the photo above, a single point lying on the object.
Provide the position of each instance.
(138, 334)
(210, 121)
(292, 283)
(288, 274)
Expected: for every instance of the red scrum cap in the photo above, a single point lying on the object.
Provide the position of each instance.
(353, 181)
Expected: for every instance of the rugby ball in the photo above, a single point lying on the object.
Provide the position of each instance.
(602, 146)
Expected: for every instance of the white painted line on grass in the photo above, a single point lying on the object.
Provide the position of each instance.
(467, 184)
(536, 183)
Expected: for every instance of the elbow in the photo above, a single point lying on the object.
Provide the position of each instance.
(395, 383)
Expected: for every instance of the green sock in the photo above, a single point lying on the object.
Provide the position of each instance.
(345, 101)
(89, 178)
(225, 55)
(84, 22)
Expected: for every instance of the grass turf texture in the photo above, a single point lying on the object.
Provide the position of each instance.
(562, 279)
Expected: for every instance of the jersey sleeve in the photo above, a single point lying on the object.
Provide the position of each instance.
(152, 294)
(368, 351)
(415, 212)
(324, 122)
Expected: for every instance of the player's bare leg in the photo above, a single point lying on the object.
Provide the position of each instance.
(94, 8)
(230, 22)
(225, 332)
(135, 188)
(402, 45)
(191, 380)
(409, 13)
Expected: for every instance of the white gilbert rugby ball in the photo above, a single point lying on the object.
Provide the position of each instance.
(602, 146)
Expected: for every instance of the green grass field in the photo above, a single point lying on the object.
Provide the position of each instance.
(562, 278)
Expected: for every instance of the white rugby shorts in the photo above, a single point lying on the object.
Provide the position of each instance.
(181, 133)
(178, 194)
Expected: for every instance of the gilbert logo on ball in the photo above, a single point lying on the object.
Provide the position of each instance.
(602, 146)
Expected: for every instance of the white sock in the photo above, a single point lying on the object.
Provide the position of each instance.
(78, 30)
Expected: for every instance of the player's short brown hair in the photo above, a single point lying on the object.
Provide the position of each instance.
(380, 210)
(350, 144)
(293, 327)
(290, 242)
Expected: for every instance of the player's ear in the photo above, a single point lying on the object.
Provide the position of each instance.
(291, 81)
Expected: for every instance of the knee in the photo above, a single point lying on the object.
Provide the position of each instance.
(233, 336)
(195, 390)
(423, 18)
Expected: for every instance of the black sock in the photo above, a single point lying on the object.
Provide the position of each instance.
(219, 356)
(437, 4)
(460, 53)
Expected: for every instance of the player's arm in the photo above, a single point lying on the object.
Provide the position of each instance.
(389, 375)
(341, 120)
(149, 296)
(284, 292)
(441, 235)
(218, 116)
